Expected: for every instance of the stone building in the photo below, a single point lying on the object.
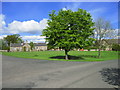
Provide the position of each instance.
(26, 47)
(40, 47)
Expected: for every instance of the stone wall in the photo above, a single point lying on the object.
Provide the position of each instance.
(15, 49)
(40, 48)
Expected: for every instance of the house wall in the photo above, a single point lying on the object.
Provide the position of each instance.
(37, 48)
(3, 50)
(40, 48)
(14, 49)
(26, 47)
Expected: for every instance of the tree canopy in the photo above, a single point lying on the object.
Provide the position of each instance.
(32, 45)
(69, 29)
(15, 38)
(103, 30)
(3, 45)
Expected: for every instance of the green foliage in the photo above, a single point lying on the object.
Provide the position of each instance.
(32, 45)
(68, 29)
(90, 47)
(94, 47)
(3, 45)
(15, 38)
(103, 47)
(24, 49)
(116, 47)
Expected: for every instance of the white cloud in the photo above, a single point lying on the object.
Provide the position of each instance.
(98, 12)
(17, 27)
(110, 34)
(34, 38)
(64, 9)
(27, 26)
(74, 6)
(2, 17)
(2, 36)
(37, 41)
(2, 23)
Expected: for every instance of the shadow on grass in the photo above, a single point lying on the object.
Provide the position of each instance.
(111, 76)
(69, 56)
(36, 55)
(92, 56)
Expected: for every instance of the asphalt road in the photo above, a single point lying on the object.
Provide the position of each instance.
(31, 73)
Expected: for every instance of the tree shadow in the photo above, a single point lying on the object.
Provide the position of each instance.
(70, 57)
(111, 76)
(93, 56)
(36, 55)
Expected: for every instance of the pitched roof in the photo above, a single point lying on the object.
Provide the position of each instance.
(112, 41)
(16, 44)
(40, 44)
(20, 44)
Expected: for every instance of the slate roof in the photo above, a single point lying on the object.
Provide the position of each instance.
(20, 44)
(112, 41)
(40, 44)
(16, 45)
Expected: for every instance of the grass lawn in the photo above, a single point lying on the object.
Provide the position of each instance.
(59, 55)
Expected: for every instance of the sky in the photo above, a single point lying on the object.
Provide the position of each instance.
(29, 18)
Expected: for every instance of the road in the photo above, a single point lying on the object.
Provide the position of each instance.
(32, 73)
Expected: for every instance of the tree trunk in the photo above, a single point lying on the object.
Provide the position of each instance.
(99, 48)
(8, 50)
(99, 53)
(66, 54)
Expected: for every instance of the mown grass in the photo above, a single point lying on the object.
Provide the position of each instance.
(59, 55)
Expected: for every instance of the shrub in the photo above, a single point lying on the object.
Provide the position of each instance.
(24, 49)
(94, 47)
(116, 47)
(7, 48)
(90, 47)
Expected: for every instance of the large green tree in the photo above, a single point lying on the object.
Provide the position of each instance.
(69, 29)
(15, 38)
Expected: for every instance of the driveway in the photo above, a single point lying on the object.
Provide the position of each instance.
(32, 73)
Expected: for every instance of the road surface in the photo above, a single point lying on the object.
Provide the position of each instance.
(32, 73)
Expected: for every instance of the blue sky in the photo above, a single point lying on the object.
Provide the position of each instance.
(32, 16)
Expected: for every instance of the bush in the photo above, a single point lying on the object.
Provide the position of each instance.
(94, 47)
(116, 47)
(103, 47)
(90, 47)
(7, 48)
(24, 49)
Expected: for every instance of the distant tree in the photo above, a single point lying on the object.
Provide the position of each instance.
(3, 45)
(102, 29)
(116, 47)
(69, 29)
(15, 38)
(112, 33)
(32, 45)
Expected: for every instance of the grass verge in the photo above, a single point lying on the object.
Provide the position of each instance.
(59, 55)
